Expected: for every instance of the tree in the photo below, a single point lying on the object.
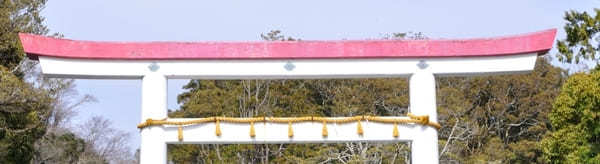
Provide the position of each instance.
(574, 118)
(497, 118)
(103, 143)
(23, 113)
(23, 109)
(18, 16)
(582, 39)
(575, 131)
(63, 147)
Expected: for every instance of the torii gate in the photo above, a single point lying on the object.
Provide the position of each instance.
(155, 62)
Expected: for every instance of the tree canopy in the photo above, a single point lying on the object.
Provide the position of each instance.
(23, 113)
(574, 136)
(574, 118)
(582, 39)
(23, 109)
(18, 16)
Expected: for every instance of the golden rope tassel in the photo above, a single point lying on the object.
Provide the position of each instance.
(290, 130)
(324, 128)
(252, 133)
(180, 133)
(359, 128)
(395, 133)
(217, 128)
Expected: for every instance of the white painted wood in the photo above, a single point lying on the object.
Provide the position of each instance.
(153, 148)
(276, 69)
(305, 132)
(424, 149)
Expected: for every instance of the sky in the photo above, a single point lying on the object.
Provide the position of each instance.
(244, 20)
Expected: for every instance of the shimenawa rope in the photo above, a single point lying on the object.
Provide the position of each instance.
(422, 120)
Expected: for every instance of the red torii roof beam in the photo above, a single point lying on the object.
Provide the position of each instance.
(537, 42)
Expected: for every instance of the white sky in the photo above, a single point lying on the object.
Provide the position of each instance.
(237, 20)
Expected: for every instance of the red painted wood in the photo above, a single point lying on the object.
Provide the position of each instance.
(537, 42)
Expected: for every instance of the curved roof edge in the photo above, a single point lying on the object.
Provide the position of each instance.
(537, 42)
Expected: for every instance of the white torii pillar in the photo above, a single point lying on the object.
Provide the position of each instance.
(153, 148)
(155, 62)
(424, 149)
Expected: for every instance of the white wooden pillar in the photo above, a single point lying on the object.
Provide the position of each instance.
(423, 102)
(154, 105)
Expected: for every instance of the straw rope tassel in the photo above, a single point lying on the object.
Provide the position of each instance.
(324, 128)
(217, 128)
(290, 130)
(252, 133)
(395, 133)
(180, 133)
(359, 128)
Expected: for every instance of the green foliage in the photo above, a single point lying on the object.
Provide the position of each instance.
(18, 16)
(574, 118)
(23, 115)
(582, 39)
(497, 118)
(25, 110)
(59, 148)
(575, 136)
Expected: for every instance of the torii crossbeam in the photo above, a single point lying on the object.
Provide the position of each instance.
(155, 62)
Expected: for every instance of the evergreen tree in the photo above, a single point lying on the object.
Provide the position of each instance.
(574, 118)
(23, 114)
(581, 42)
(499, 119)
(18, 16)
(575, 133)
(23, 109)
